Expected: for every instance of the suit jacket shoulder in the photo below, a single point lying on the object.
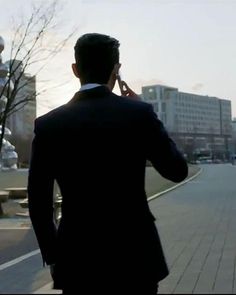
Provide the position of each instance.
(115, 105)
(44, 122)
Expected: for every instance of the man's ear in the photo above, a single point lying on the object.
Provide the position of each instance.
(115, 72)
(75, 70)
(116, 69)
(112, 80)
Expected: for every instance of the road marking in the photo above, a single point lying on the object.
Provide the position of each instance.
(174, 187)
(19, 259)
(14, 228)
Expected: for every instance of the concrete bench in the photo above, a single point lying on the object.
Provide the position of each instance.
(3, 198)
(17, 192)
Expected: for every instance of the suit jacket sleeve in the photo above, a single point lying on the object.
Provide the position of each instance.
(162, 151)
(40, 194)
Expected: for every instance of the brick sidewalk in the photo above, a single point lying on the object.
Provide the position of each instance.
(197, 224)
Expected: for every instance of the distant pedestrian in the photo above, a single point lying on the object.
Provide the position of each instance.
(96, 147)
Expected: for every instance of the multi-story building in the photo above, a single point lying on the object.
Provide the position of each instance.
(234, 135)
(198, 123)
(21, 122)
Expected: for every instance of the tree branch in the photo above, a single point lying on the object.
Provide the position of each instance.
(27, 49)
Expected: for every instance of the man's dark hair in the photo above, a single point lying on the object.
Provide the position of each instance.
(95, 56)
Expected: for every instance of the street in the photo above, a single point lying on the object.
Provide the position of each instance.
(196, 222)
(16, 242)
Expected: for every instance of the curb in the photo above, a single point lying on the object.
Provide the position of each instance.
(175, 186)
(47, 289)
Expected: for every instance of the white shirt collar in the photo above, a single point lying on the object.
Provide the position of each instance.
(89, 86)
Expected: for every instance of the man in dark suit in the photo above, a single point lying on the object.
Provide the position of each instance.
(96, 147)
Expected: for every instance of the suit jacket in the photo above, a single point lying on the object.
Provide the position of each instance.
(96, 147)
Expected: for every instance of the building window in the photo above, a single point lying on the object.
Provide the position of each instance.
(163, 107)
(163, 118)
(155, 107)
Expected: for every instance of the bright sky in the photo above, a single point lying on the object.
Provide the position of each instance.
(188, 44)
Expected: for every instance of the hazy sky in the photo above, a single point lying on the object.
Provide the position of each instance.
(188, 44)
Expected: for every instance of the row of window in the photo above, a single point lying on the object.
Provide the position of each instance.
(197, 106)
(199, 130)
(198, 100)
(197, 118)
(197, 113)
(198, 124)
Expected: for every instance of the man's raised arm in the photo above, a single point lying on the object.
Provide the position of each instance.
(162, 151)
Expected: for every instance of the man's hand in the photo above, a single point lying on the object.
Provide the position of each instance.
(128, 92)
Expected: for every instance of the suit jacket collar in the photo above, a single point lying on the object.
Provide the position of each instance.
(101, 91)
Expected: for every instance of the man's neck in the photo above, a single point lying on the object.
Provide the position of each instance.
(88, 86)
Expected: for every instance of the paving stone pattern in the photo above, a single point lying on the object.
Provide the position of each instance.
(197, 225)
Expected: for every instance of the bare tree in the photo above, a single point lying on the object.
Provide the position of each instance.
(32, 47)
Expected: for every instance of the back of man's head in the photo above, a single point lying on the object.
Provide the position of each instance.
(96, 55)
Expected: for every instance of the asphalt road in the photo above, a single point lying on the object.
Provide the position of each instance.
(196, 223)
(15, 243)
